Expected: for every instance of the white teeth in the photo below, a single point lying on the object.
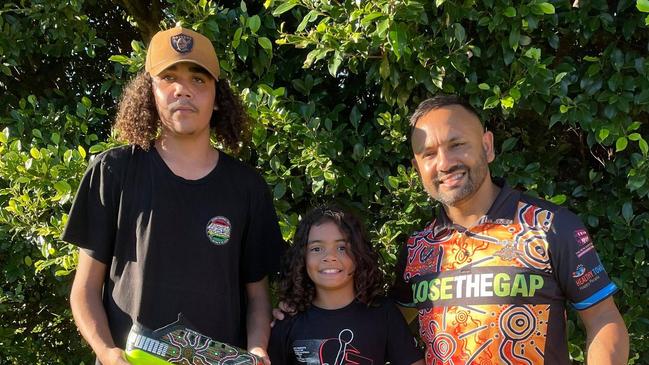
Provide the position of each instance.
(331, 271)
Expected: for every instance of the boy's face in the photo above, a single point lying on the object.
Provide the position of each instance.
(184, 97)
(328, 259)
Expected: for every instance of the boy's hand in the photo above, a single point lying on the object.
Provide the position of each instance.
(261, 353)
(114, 356)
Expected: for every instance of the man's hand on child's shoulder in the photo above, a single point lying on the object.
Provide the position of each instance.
(280, 312)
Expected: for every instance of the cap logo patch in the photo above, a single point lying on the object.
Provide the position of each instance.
(218, 230)
(182, 43)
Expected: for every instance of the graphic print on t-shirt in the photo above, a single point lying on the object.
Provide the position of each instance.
(331, 351)
(218, 230)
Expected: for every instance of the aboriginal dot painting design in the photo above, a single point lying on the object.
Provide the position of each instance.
(481, 292)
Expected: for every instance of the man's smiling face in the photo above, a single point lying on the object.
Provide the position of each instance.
(451, 153)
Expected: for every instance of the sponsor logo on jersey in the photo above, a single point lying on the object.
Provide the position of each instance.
(584, 278)
(485, 285)
(218, 230)
(584, 243)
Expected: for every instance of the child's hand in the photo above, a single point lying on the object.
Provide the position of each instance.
(279, 313)
(261, 353)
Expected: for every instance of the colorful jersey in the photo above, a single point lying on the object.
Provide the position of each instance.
(496, 292)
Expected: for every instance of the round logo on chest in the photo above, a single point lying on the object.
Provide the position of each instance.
(218, 230)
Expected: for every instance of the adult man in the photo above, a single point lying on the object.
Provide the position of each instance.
(491, 274)
(170, 224)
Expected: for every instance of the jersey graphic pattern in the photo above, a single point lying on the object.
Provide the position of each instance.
(481, 293)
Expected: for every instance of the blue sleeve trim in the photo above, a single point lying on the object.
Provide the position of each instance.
(600, 295)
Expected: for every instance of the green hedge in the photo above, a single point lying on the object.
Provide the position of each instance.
(330, 85)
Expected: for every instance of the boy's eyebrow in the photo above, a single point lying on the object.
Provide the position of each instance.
(199, 70)
(320, 241)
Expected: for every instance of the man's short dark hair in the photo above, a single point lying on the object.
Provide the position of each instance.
(436, 102)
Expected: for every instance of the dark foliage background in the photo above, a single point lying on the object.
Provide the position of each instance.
(330, 84)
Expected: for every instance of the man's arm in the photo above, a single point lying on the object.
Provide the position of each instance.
(88, 310)
(607, 338)
(258, 318)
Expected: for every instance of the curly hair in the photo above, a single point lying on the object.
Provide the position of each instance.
(296, 288)
(137, 120)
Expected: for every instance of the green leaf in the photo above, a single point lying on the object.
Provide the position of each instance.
(397, 39)
(384, 68)
(334, 63)
(4, 135)
(507, 102)
(279, 190)
(284, 7)
(514, 37)
(534, 53)
(254, 23)
(509, 12)
(393, 181)
(237, 37)
(642, 5)
(28, 261)
(627, 211)
(644, 148)
(491, 102)
(484, 86)
(120, 59)
(460, 33)
(620, 144)
(265, 43)
(35, 153)
(547, 8)
(558, 199)
(634, 136)
(55, 138)
(62, 187)
(509, 144)
(243, 6)
(309, 17)
(82, 151)
(603, 133)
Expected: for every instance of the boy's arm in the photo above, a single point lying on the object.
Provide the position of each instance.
(88, 310)
(258, 318)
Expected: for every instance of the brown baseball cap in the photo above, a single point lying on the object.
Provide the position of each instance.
(177, 45)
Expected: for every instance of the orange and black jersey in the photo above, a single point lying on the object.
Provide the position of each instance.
(497, 291)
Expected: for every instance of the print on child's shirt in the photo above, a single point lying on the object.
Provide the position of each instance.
(331, 351)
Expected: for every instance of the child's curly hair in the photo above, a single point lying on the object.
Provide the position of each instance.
(297, 290)
(138, 122)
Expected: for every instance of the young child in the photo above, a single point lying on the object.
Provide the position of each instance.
(332, 280)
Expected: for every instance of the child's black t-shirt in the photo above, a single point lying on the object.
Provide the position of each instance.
(356, 334)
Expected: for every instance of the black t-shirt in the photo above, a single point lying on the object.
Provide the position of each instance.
(174, 245)
(355, 334)
(497, 291)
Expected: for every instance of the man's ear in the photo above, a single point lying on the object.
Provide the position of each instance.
(488, 145)
(413, 161)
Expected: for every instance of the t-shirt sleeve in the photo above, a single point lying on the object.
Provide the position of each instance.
(402, 347)
(580, 273)
(400, 291)
(278, 346)
(92, 220)
(263, 243)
